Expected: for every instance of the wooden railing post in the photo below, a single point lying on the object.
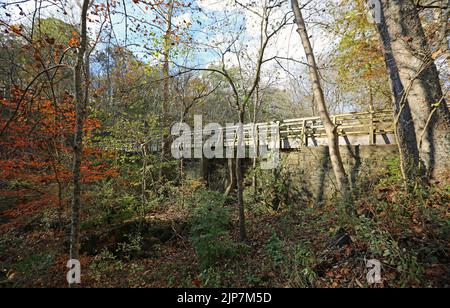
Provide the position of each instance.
(372, 134)
(256, 139)
(278, 140)
(305, 134)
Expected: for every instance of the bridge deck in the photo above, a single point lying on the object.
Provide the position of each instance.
(359, 128)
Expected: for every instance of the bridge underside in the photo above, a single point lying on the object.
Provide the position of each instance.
(313, 141)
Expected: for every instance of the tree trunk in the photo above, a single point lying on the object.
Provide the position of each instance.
(144, 178)
(166, 90)
(232, 174)
(80, 102)
(204, 163)
(445, 30)
(240, 188)
(181, 165)
(255, 143)
(420, 79)
(330, 127)
(406, 139)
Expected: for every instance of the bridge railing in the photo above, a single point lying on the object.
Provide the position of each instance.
(295, 133)
(361, 123)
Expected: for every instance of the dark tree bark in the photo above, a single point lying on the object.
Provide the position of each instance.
(406, 138)
(419, 76)
(256, 104)
(240, 188)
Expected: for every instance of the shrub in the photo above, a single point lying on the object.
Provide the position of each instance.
(275, 189)
(296, 262)
(274, 249)
(36, 263)
(210, 221)
(131, 247)
(105, 265)
(304, 261)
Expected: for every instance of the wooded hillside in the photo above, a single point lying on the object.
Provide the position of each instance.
(316, 142)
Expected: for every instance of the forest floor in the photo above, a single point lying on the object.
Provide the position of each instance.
(297, 246)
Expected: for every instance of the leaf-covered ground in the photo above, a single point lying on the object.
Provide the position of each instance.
(297, 246)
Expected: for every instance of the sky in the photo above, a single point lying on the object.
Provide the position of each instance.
(213, 23)
(285, 44)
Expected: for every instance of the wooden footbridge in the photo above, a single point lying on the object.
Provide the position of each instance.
(363, 128)
(359, 128)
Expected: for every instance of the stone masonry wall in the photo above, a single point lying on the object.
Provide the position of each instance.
(309, 168)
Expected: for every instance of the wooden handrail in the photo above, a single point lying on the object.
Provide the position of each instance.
(303, 129)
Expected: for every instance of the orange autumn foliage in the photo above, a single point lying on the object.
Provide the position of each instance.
(36, 152)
